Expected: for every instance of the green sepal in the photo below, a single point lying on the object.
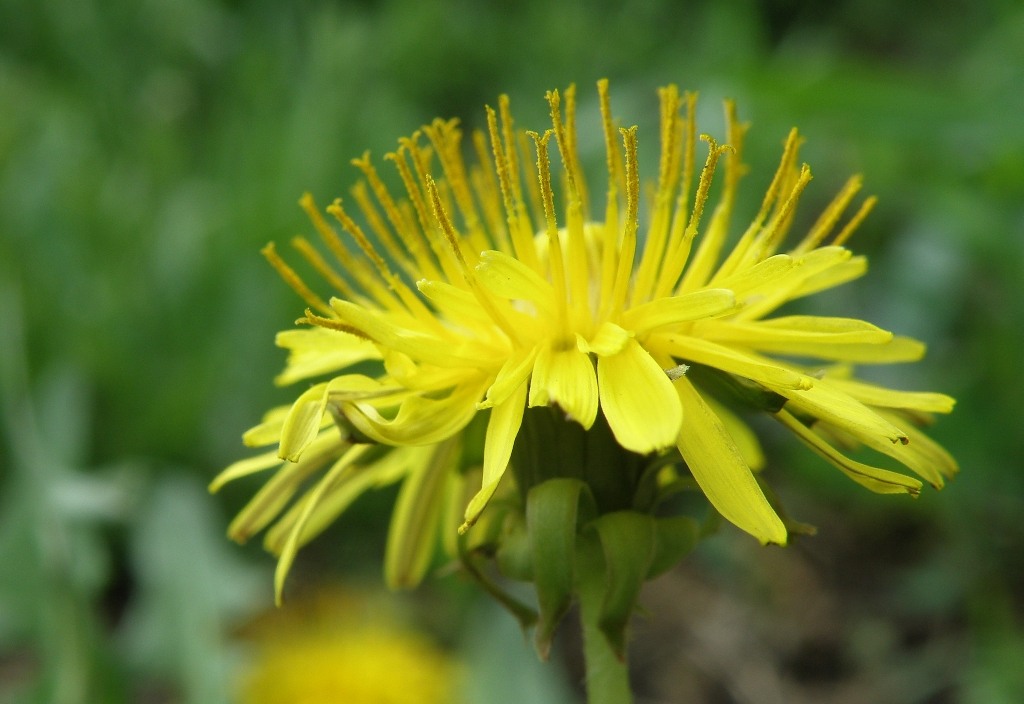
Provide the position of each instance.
(526, 616)
(628, 542)
(514, 556)
(675, 537)
(552, 513)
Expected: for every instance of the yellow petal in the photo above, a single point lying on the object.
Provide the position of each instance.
(880, 481)
(566, 377)
(832, 276)
(761, 277)
(791, 284)
(409, 374)
(502, 429)
(420, 420)
(873, 395)
(734, 361)
(416, 517)
(421, 345)
(791, 333)
(243, 468)
(810, 336)
(317, 351)
(608, 340)
(291, 546)
(509, 278)
(833, 406)
(513, 372)
(741, 433)
(346, 488)
(280, 488)
(664, 312)
(923, 455)
(268, 432)
(306, 416)
(716, 464)
(303, 422)
(456, 303)
(638, 400)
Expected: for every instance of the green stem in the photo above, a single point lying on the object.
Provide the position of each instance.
(607, 677)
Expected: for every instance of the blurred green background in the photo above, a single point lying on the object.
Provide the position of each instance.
(149, 148)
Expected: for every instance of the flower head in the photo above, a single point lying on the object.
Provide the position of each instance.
(342, 647)
(492, 286)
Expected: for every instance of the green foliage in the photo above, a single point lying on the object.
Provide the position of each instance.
(147, 151)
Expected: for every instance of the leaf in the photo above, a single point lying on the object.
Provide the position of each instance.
(628, 541)
(675, 537)
(552, 509)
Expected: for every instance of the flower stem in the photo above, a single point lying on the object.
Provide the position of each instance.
(607, 678)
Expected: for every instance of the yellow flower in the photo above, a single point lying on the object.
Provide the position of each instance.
(482, 292)
(341, 648)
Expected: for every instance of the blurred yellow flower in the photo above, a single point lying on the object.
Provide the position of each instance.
(345, 650)
(470, 297)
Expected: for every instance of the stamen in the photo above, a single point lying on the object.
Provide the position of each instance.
(447, 138)
(412, 302)
(855, 221)
(330, 324)
(554, 244)
(742, 248)
(668, 172)
(363, 274)
(508, 133)
(522, 239)
(675, 260)
(293, 279)
(360, 237)
(453, 241)
(616, 181)
(571, 143)
(627, 249)
(394, 215)
(681, 212)
(326, 232)
(554, 103)
(578, 281)
(379, 227)
(776, 230)
(536, 209)
(485, 182)
(829, 216)
(423, 243)
(323, 268)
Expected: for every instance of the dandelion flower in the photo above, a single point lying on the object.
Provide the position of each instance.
(341, 647)
(493, 285)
